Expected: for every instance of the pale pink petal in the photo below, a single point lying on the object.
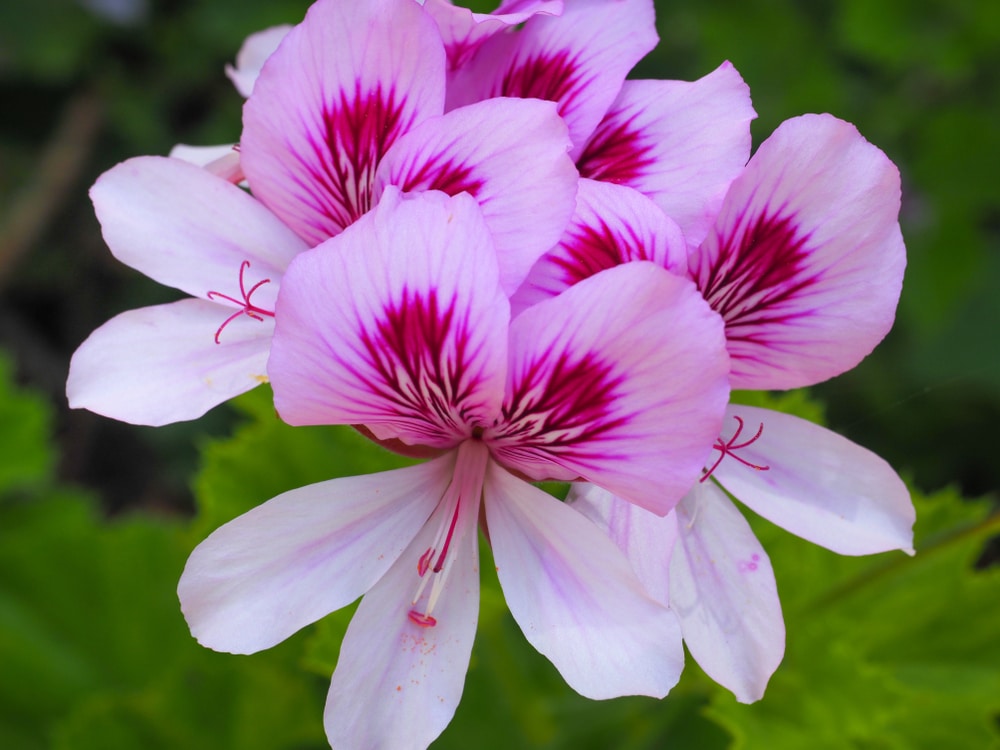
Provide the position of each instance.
(399, 324)
(646, 539)
(722, 588)
(576, 598)
(252, 55)
(520, 173)
(158, 365)
(304, 554)
(189, 229)
(343, 85)
(818, 485)
(397, 682)
(463, 31)
(578, 59)
(806, 260)
(620, 380)
(679, 142)
(612, 225)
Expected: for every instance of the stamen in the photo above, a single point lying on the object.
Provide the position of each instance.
(460, 501)
(727, 448)
(248, 308)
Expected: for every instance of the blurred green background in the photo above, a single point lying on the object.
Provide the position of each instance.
(96, 517)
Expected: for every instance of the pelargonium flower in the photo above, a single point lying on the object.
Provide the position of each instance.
(680, 143)
(353, 100)
(187, 229)
(804, 264)
(400, 325)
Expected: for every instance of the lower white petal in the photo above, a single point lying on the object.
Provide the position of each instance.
(397, 683)
(722, 588)
(575, 597)
(158, 365)
(304, 554)
(819, 485)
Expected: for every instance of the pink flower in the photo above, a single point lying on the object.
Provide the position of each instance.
(680, 143)
(319, 160)
(352, 101)
(804, 263)
(401, 325)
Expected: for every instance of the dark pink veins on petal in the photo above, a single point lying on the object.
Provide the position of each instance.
(358, 127)
(758, 272)
(421, 350)
(444, 174)
(554, 77)
(617, 152)
(560, 405)
(590, 249)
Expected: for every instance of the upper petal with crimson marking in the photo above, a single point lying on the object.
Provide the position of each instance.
(806, 260)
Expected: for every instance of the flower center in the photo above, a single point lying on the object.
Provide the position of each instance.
(728, 448)
(246, 306)
(457, 512)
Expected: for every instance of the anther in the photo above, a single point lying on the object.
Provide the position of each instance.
(421, 619)
(248, 308)
(727, 448)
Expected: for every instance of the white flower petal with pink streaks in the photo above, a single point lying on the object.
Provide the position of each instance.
(646, 538)
(158, 365)
(818, 485)
(575, 597)
(679, 142)
(806, 259)
(397, 683)
(328, 104)
(620, 380)
(189, 229)
(399, 324)
(578, 59)
(722, 588)
(520, 174)
(612, 225)
(252, 55)
(303, 554)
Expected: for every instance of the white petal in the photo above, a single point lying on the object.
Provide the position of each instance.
(397, 683)
(158, 365)
(575, 596)
(252, 56)
(722, 588)
(304, 554)
(818, 485)
(646, 538)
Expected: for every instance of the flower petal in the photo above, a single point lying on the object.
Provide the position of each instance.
(343, 85)
(621, 380)
(612, 225)
(646, 539)
(304, 554)
(679, 142)
(398, 324)
(158, 365)
(722, 588)
(520, 173)
(576, 598)
(187, 228)
(806, 259)
(463, 31)
(397, 683)
(819, 485)
(252, 55)
(578, 59)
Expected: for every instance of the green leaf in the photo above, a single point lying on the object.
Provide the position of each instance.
(26, 457)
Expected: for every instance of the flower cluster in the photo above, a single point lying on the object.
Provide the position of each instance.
(471, 238)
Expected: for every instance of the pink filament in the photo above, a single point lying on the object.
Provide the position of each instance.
(727, 448)
(248, 308)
